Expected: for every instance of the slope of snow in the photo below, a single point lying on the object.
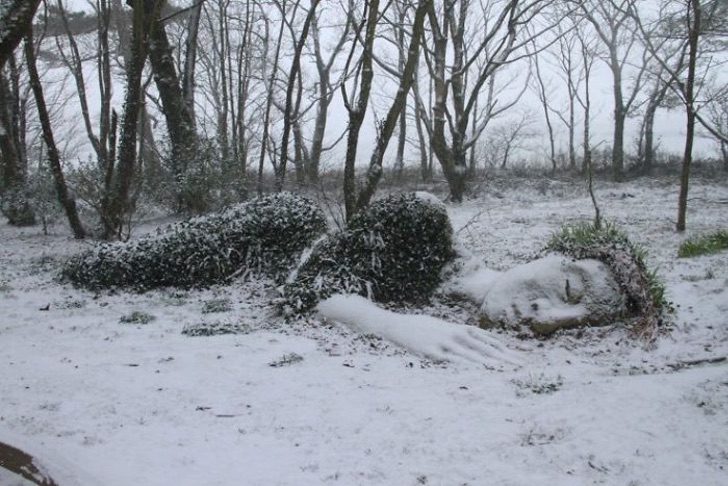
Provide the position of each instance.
(317, 403)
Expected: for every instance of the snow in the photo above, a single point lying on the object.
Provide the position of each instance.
(430, 198)
(475, 283)
(120, 404)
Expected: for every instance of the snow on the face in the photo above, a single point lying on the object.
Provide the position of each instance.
(549, 289)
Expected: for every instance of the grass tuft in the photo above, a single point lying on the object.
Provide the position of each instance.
(704, 245)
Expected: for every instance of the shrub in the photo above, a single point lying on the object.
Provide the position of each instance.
(393, 251)
(265, 235)
(643, 290)
(137, 317)
(16, 207)
(704, 245)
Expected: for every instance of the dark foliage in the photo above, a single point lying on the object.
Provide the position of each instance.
(394, 251)
(265, 235)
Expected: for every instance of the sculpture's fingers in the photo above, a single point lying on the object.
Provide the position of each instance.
(485, 338)
(466, 355)
(487, 346)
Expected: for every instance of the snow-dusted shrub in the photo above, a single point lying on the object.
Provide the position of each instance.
(644, 292)
(393, 251)
(265, 235)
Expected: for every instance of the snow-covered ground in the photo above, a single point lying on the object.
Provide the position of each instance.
(102, 402)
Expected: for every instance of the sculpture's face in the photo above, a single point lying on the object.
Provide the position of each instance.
(553, 293)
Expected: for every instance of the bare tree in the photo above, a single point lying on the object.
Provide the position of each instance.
(289, 108)
(363, 71)
(270, 93)
(587, 54)
(396, 110)
(54, 158)
(571, 70)
(326, 91)
(617, 32)
(116, 204)
(718, 118)
(14, 202)
(543, 94)
(500, 30)
(188, 73)
(655, 99)
(176, 109)
(16, 18)
(508, 137)
(693, 29)
(692, 19)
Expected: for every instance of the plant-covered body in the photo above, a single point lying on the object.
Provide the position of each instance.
(265, 235)
(394, 251)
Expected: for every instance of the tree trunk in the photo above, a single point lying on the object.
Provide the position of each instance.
(288, 111)
(572, 135)
(694, 10)
(453, 167)
(619, 119)
(15, 21)
(116, 207)
(180, 121)
(357, 112)
(54, 159)
(543, 97)
(15, 205)
(188, 75)
(425, 171)
(649, 150)
(396, 111)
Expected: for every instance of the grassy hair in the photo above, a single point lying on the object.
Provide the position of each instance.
(704, 245)
(644, 290)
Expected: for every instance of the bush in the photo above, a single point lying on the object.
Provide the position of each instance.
(16, 207)
(393, 251)
(265, 235)
(704, 245)
(643, 290)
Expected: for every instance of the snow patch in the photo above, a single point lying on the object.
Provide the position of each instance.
(430, 198)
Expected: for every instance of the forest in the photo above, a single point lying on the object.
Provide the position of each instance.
(243, 98)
